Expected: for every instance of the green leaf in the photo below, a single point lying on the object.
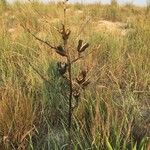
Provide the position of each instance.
(109, 147)
(135, 147)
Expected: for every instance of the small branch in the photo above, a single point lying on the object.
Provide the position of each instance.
(76, 59)
(37, 38)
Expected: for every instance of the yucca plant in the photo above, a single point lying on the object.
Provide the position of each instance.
(76, 84)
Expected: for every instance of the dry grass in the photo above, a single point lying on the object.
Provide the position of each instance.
(113, 111)
(17, 118)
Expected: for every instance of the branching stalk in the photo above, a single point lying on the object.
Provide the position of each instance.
(65, 40)
(65, 69)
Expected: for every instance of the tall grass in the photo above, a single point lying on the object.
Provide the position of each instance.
(113, 112)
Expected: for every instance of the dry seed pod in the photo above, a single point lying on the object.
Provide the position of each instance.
(84, 47)
(76, 90)
(82, 76)
(61, 31)
(84, 73)
(68, 32)
(76, 94)
(65, 34)
(62, 67)
(60, 50)
(79, 45)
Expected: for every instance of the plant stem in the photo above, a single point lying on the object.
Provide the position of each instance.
(70, 104)
(69, 62)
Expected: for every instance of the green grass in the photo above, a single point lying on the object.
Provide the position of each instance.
(113, 112)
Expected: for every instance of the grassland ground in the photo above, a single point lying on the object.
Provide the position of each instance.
(113, 112)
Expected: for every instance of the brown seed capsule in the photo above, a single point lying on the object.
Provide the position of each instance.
(76, 94)
(84, 73)
(65, 34)
(60, 50)
(79, 45)
(60, 31)
(84, 47)
(62, 67)
(82, 76)
(68, 32)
